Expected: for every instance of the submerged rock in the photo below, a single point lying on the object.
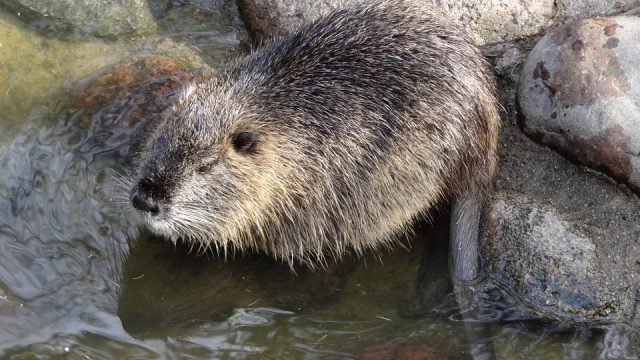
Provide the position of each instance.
(128, 96)
(579, 92)
(406, 351)
(102, 18)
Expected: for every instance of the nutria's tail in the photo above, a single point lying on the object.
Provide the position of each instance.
(464, 252)
(477, 171)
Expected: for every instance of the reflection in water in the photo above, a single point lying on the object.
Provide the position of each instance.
(60, 234)
(167, 291)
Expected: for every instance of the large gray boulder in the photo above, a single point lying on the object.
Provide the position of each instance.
(486, 21)
(499, 20)
(561, 237)
(582, 9)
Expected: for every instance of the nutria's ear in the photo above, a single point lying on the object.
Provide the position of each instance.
(245, 142)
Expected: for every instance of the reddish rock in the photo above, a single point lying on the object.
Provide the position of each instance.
(135, 88)
(113, 107)
(579, 92)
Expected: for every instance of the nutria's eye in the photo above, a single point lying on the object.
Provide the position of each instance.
(203, 169)
(245, 142)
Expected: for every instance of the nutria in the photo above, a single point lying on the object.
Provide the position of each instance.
(334, 138)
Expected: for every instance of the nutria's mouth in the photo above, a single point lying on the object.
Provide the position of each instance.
(158, 225)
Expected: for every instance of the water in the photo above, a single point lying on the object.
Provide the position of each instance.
(77, 278)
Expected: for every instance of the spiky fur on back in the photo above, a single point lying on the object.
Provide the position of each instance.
(366, 118)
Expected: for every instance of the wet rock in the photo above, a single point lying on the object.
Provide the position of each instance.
(116, 105)
(102, 18)
(211, 27)
(35, 69)
(562, 238)
(486, 21)
(587, 8)
(201, 16)
(118, 81)
(579, 93)
(560, 268)
(128, 95)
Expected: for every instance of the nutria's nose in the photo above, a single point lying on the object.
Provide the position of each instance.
(145, 203)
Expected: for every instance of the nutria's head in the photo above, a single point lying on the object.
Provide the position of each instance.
(209, 172)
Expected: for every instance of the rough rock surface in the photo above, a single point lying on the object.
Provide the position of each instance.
(500, 20)
(579, 93)
(558, 269)
(583, 9)
(562, 237)
(102, 18)
(487, 22)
